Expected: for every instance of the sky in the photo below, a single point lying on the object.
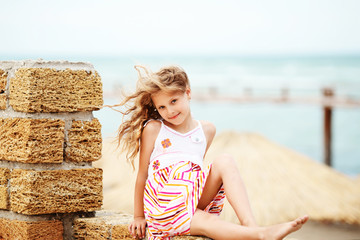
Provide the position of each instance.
(160, 27)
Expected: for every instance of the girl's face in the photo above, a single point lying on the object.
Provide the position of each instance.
(173, 107)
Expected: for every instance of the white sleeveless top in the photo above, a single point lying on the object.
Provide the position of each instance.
(172, 147)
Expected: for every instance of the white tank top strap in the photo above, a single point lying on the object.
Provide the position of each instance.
(198, 121)
(147, 122)
(152, 120)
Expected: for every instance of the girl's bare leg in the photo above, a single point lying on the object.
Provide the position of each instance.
(224, 171)
(209, 225)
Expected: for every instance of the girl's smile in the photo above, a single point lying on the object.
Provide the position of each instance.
(174, 116)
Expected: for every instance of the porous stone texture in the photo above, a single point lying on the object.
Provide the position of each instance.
(105, 225)
(4, 176)
(84, 141)
(91, 229)
(54, 90)
(120, 231)
(32, 140)
(2, 101)
(111, 226)
(3, 80)
(29, 230)
(55, 191)
(4, 196)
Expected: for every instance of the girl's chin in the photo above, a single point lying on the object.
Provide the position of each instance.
(175, 121)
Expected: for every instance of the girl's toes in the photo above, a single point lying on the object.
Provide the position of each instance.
(304, 219)
(298, 221)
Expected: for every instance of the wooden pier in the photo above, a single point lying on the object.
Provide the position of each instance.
(326, 98)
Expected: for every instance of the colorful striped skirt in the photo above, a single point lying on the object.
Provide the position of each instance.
(171, 197)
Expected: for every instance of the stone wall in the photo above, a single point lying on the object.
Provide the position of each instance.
(48, 140)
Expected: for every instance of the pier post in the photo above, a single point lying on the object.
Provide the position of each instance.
(284, 94)
(247, 92)
(327, 93)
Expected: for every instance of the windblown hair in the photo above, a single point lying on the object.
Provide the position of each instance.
(139, 107)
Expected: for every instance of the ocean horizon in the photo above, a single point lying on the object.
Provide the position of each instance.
(297, 126)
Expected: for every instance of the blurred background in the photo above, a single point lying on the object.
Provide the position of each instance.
(261, 51)
(230, 47)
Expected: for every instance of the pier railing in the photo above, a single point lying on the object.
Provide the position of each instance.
(323, 97)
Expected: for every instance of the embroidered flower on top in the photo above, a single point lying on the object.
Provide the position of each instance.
(166, 143)
(156, 165)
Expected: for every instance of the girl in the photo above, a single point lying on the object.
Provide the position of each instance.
(174, 193)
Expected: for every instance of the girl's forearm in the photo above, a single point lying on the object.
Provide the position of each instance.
(139, 198)
(138, 208)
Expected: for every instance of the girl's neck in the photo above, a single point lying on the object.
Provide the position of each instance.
(187, 125)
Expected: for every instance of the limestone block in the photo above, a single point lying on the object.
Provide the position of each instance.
(4, 198)
(32, 140)
(105, 225)
(4, 176)
(51, 90)
(29, 230)
(91, 228)
(111, 225)
(55, 191)
(84, 141)
(3, 79)
(120, 226)
(120, 231)
(2, 101)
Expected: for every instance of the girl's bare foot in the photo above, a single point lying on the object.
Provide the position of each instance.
(278, 232)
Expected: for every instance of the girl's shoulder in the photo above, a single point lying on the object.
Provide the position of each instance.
(208, 127)
(150, 132)
(152, 126)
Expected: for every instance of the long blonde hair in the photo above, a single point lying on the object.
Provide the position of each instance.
(140, 108)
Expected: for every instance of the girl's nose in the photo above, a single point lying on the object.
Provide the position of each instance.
(171, 110)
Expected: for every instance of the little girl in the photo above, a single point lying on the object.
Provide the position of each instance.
(174, 193)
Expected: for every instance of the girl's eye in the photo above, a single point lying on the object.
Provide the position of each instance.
(173, 101)
(161, 107)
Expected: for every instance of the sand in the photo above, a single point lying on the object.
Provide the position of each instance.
(119, 180)
(322, 231)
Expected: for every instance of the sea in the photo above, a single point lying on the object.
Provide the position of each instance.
(298, 126)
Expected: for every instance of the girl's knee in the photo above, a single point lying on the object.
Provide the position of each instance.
(201, 222)
(225, 160)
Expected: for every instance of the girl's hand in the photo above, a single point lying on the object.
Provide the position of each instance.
(137, 227)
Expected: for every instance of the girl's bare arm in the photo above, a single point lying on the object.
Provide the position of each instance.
(209, 131)
(148, 138)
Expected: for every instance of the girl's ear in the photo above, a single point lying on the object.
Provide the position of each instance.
(188, 92)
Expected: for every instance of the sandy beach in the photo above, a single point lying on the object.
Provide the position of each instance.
(119, 179)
